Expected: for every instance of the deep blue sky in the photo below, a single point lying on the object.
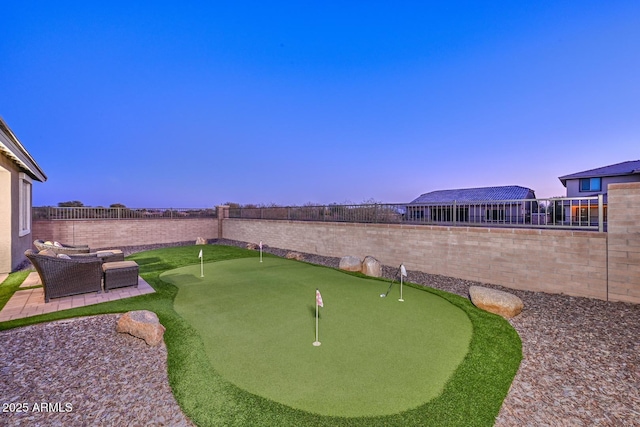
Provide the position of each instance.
(159, 104)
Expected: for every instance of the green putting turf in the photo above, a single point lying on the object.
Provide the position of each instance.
(378, 356)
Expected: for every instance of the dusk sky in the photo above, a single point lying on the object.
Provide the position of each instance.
(193, 104)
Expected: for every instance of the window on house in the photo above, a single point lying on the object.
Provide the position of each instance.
(24, 205)
(591, 184)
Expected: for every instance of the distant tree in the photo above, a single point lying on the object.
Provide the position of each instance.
(117, 205)
(73, 204)
(371, 201)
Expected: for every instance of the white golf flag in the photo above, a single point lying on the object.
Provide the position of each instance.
(260, 244)
(319, 298)
(200, 255)
(403, 271)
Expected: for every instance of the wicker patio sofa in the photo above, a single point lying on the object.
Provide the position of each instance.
(64, 277)
(61, 248)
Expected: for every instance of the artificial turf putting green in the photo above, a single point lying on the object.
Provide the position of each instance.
(378, 356)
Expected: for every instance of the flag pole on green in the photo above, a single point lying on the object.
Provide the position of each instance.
(403, 273)
(201, 264)
(318, 304)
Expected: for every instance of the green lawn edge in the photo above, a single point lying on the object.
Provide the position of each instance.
(472, 397)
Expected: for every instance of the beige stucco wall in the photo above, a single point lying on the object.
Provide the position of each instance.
(5, 217)
(12, 245)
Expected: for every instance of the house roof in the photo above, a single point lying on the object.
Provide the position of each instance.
(11, 147)
(625, 168)
(508, 192)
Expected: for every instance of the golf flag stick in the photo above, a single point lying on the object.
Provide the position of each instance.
(201, 264)
(318, 304)
(260, 250)
(403, 273)
(391, 284)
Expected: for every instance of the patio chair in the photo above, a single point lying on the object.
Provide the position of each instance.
(64, 277)
(60, 248)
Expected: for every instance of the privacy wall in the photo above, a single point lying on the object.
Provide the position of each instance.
(538, 260)
(579, 263)
(125, 232)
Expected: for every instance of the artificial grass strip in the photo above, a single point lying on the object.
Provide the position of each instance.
(472, 396)
(10, 285)
(378, 357)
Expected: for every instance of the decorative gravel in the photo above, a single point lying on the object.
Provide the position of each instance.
(81, 372)
(581, 365)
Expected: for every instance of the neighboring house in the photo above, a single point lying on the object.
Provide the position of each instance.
(17, 172)
(594, 182)
(506, 204)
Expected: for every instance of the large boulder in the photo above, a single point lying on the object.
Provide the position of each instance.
(201, 241)
(371, 267)
(142, 324)
(492, 300)
(295, 255)
(350, 263)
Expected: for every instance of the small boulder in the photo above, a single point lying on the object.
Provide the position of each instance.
(494, 301)
(371, 267)
(252, 246)
(350, 263)
(295, 255)
(201, 241)
(143, 324)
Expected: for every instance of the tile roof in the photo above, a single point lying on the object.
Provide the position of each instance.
(508, 192)
(624, 168)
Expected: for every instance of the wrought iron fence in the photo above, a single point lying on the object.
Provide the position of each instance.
(88, 213)
(576, 213)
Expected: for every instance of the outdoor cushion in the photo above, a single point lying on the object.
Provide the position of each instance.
(47, 252)
(118, 264)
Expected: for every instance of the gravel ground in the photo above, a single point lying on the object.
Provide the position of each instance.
(581, 365)
(81, 372)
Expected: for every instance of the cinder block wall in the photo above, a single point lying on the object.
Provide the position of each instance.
(130, 232)
(569, 262)
(579, 263)
(624, 242)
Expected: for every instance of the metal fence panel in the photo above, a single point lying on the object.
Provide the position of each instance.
(90, 213)
(577, 213)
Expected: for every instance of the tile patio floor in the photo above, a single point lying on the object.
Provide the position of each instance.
(30, 302)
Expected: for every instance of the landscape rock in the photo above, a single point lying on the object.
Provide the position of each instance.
(201, 241)
(371, 267)
(494, 301)
(295, 255)
(143, 324)
(252, 246)
(350, 263)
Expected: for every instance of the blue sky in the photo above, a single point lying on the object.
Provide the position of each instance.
(193, 104)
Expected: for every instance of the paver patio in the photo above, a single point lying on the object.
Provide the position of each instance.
(30, 302)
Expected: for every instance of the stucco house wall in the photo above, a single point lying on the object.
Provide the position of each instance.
(6, 214)
(573, 185)
(18, 170)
